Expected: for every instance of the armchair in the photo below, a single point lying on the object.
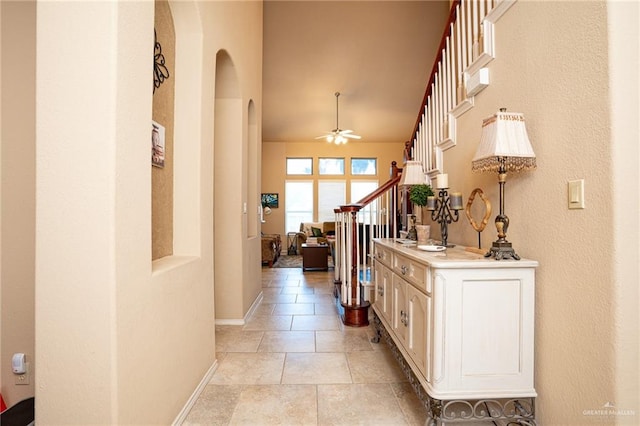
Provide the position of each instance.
(271, 247)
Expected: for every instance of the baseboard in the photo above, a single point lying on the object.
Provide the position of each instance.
(229, 322)
(182, 415)
(253, 307)
(242, 321)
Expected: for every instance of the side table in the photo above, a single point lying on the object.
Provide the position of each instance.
(315, 257)
(292, 239)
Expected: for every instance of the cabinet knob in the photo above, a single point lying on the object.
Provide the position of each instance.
(403, 269)
(403, 318)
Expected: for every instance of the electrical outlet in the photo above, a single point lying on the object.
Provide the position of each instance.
(23, 379)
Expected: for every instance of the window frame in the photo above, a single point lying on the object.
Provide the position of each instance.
(355, 159)
(309, 159)
(321, 173)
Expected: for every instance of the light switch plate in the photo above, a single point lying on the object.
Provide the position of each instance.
(576, 194)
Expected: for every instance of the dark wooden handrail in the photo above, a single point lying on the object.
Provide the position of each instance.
(381, 190)
(395, 179)
(434, 69)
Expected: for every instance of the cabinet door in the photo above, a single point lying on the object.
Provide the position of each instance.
(418, 327)
(383, 290)
(400, 314)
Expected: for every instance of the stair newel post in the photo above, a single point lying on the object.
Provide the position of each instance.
(337, 247)
(356, 310)
(354, 287)
(338, 254)
(396, 172)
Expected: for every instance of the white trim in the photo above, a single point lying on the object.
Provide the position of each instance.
(477, 82)
(182, 415)
(498, 10)
(242, 321)
(462, 107)
(253, 307)
(230, 322)
(437, 152)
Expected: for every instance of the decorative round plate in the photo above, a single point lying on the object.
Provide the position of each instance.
(432, 248)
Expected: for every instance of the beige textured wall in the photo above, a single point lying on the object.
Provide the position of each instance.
(163, 112)
(140, 335)
(552, 65)
(18, 195)
(274, 155)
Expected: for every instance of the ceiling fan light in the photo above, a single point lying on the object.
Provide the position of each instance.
(337, 135)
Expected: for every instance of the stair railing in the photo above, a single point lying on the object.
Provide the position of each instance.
(459, 73)
(356, 225)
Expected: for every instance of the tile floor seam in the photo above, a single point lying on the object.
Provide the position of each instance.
(374, 371)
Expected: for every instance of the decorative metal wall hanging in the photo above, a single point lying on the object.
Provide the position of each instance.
(160, 70)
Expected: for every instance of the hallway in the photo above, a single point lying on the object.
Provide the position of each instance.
(295, 363)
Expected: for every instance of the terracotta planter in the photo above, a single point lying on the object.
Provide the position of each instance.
(424, 232)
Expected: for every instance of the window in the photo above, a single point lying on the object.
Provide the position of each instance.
(360, 189)
(364, 166)
(331, 166)
(331, 194)
(299, 166)
(298, 204)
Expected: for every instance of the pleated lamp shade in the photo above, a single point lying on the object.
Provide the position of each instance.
(412, 174)
(504, 140)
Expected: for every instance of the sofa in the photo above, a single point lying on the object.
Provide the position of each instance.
(320, 230)
(271, 247)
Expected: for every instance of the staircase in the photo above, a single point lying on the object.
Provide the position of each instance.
(458, 74)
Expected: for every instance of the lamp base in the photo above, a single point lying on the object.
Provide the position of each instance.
(502, 250)
(413, 232)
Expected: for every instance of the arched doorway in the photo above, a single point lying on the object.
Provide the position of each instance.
(229, 209)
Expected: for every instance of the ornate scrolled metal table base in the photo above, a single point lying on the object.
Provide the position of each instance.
(519, 411)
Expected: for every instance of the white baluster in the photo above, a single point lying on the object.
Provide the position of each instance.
(483, 13)
(475, 20)
(443, 90)
(468, 24)
(459, 67)
(463, 29)
(429, 130)
(452, 70)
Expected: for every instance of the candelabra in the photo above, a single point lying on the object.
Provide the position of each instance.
(444, 210)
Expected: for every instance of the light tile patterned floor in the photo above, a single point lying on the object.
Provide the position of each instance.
(294, 363)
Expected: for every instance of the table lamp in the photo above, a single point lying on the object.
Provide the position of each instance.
(412, 174)
(504, 146)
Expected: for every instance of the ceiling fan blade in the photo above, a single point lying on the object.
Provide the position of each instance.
(338, 135)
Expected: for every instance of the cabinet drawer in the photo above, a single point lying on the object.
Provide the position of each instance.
(383, 255)
(412, 271)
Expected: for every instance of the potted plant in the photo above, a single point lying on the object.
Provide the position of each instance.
(418, 195)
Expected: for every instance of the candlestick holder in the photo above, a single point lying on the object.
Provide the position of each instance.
(444, 210)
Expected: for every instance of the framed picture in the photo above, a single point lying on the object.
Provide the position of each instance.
(157, 144)
(270, 200)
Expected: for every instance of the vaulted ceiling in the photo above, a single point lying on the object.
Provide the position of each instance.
(377, 54)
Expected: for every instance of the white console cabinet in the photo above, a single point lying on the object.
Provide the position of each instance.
(463, 323)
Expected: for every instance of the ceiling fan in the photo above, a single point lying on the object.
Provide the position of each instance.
(337, 135)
